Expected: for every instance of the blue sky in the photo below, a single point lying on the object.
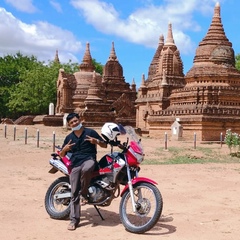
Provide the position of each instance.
(40, 27)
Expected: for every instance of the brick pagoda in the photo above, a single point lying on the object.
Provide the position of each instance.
(97, 99)
(205, 101)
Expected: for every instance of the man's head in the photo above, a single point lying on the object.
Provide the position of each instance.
(74, 122)
(70, 116)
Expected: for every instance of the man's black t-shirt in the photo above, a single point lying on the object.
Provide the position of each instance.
(82, 150)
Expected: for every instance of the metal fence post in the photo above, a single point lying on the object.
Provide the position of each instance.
(5, 130)
(54, 140)
(14, 133)
(165, 141)
(221, 138)
(195, 139)
(25, 135)
(38, 137)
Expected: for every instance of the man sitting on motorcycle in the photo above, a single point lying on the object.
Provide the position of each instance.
(81, 144)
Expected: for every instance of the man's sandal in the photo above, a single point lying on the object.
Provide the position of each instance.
(83, 201)
(72, 226)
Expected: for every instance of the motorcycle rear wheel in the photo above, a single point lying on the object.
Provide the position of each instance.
(58, 208)
(149, 204)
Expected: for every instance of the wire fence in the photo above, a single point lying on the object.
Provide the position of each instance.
(31, 135)
(33, 132)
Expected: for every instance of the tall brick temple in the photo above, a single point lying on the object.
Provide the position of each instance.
(205, 101)
(97, 99)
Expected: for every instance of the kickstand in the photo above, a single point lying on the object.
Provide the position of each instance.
(99, 212)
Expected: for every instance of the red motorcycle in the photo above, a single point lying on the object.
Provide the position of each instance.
(141, 201)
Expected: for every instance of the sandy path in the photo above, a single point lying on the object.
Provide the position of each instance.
(201, 201)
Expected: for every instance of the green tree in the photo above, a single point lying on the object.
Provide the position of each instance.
(4, 98)
(69, 67)
(98, 66)
(27, 86)
(35, 91)
(11, 67)
(237, 61)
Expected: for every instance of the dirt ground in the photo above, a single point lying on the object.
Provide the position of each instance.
(201, 201)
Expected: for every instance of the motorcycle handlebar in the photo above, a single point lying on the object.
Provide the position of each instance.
(114, 143)
(117, 143)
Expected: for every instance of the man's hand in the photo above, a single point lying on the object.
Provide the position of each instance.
(66, 148)
(91, 140)
(96, 141)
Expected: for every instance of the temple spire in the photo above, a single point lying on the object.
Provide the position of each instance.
(113, 53)
(152, 70)
(215, 46)
(161, 40)
(87, 64)
(56, 59)
(87, 55)
(216, 32)
(217, 10)
(93, 91)
(133, 86)
(143, 81)
(169, 40)
(133, 82)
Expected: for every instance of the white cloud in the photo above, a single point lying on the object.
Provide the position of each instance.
(146, 24)
(40, 39)
(143, 26)
(23, 5)
(57, 6)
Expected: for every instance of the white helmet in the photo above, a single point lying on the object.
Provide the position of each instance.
(110, 131)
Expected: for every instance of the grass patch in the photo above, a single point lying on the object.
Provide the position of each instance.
(187, 155)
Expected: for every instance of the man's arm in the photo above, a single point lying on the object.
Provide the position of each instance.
(94, 140)
(101, 143)
(66, 148)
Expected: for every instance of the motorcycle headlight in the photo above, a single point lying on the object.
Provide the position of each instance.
(139, 157)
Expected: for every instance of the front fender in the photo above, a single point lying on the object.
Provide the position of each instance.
(137, 180)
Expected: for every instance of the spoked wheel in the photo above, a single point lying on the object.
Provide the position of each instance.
(149, 204)
(57, 198)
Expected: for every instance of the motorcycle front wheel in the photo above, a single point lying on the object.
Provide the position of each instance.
(149, 204)
(58, 208)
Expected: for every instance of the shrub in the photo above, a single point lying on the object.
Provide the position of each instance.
(232, 140)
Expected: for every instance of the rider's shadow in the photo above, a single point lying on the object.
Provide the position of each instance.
(90, 216)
